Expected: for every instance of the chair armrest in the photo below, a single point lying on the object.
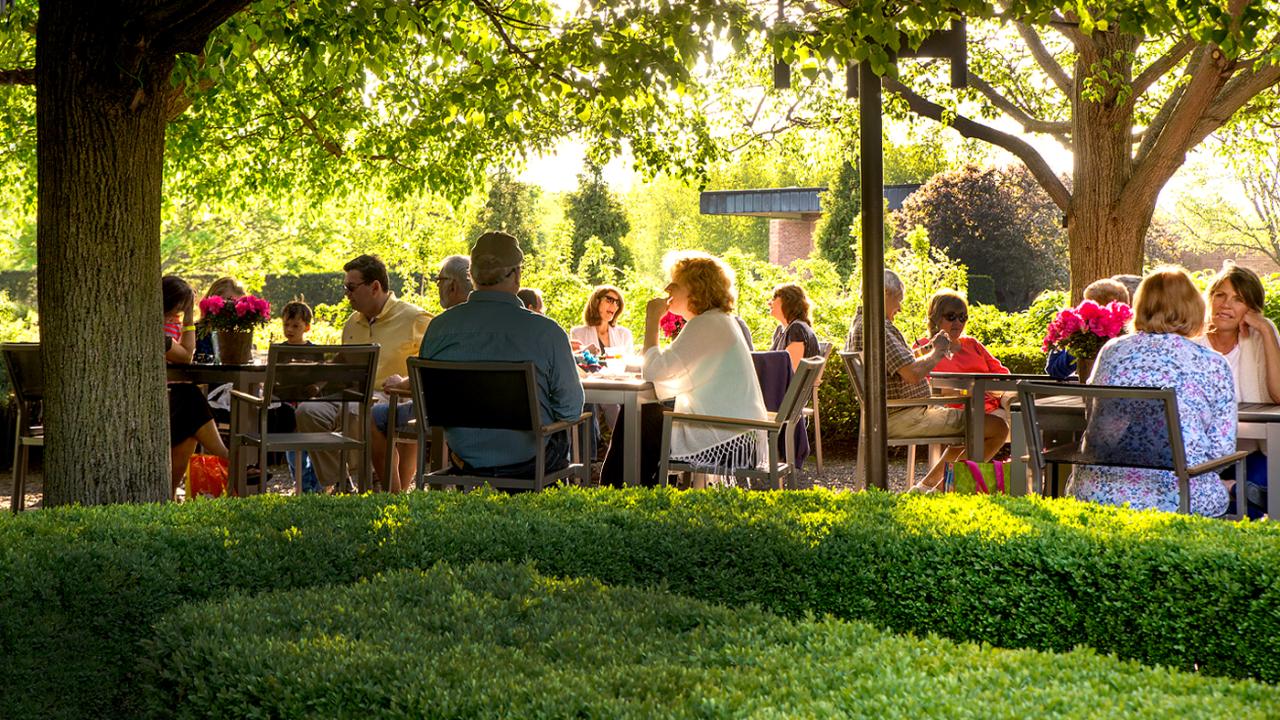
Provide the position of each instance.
(559, 425)
(1217, 463)
(920, 402)
(246, 397)
(723, 421)
(400, 392)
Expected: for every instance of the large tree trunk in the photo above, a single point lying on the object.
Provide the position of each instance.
(1104, 238)
(100, 125)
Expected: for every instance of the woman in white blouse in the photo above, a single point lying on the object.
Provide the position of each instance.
(600, 327)
(707, 369)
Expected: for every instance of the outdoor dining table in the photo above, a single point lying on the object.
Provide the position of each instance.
(1256, 421)
(974, 388)
(245, 378)
(629, 391)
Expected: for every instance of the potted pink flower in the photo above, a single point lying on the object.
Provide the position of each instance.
(234, 321)
(1084, 329)
(671, 325)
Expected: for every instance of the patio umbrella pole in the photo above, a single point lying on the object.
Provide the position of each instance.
(871, 150)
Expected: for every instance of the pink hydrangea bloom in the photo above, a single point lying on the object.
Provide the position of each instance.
(211, 305)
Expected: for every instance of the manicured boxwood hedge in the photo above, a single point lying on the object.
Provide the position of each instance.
(80, 587)
(502, 641)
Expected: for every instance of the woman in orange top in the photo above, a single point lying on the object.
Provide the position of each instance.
(949, 312)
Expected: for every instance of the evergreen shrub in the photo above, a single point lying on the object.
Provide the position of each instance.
(81, 588)
(503, 641)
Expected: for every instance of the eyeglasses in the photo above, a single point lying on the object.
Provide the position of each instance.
(441, 279)
(351, 287)
(615, 301)
(955, 317)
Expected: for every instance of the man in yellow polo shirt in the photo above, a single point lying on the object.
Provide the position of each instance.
(379, 318)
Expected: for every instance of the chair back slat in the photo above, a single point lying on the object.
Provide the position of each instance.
(801, 387)
(26, 372)
(1125, 426)
(321, 373)
(485, 395)
(857, 376)
(824, 352)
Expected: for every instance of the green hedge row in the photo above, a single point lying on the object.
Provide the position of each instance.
(1020, 358)
(81, 587)
(503, 641)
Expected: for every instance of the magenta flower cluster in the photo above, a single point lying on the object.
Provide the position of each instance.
(671, 325)
(241, 314)
(1082, 330)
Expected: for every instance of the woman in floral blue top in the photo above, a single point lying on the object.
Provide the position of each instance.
(1167, 312)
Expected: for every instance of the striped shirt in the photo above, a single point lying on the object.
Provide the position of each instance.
(896, 356)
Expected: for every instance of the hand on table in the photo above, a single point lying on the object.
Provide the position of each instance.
(395, 382)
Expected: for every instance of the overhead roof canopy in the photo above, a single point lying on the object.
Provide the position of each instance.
(790, 203)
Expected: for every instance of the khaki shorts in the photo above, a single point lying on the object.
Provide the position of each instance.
(932, 421)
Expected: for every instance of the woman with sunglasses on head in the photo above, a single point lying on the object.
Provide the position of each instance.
(600, 330)
(600, 327)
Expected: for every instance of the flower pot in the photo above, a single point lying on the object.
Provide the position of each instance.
(1084, 368)
(235, 347)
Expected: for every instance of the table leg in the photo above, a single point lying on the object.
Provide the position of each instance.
(1273, 472)
(631, 440)
(1017, 475)
(245, 419)
(977, 419)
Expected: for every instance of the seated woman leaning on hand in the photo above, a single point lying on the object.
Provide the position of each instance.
(1168, 312)
(707, 369)
(190, 419)
(1243, 335)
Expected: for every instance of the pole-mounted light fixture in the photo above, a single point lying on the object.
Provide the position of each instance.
(950, 44)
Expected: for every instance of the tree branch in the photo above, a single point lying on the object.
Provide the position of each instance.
(185, 26)
(1237, 91)
(18, 76)
(1161, 65)
(1019, 114)
(1051, 183)
(1045, 59)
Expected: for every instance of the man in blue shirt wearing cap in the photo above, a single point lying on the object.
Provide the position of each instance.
(493, 325)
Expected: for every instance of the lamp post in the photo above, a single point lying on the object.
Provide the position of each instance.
(866, 86)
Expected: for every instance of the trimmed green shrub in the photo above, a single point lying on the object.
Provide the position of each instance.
(1020, 358)
(503, 641)
(81, 587)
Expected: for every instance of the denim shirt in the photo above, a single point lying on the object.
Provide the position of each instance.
(495, 327)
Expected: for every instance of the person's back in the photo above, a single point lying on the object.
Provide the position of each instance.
(494, 326)
(1168, 311)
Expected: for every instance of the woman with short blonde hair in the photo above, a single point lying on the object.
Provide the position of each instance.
(1168, 302)
(1160, 353)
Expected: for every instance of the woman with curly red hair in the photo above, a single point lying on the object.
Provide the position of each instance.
(707, 369)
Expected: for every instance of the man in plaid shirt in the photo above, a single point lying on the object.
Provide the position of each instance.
(907, 378)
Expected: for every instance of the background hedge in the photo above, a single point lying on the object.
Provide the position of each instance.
(503, 641)
(81, 587)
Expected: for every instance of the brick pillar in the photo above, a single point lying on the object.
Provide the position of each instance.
(790, 239)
